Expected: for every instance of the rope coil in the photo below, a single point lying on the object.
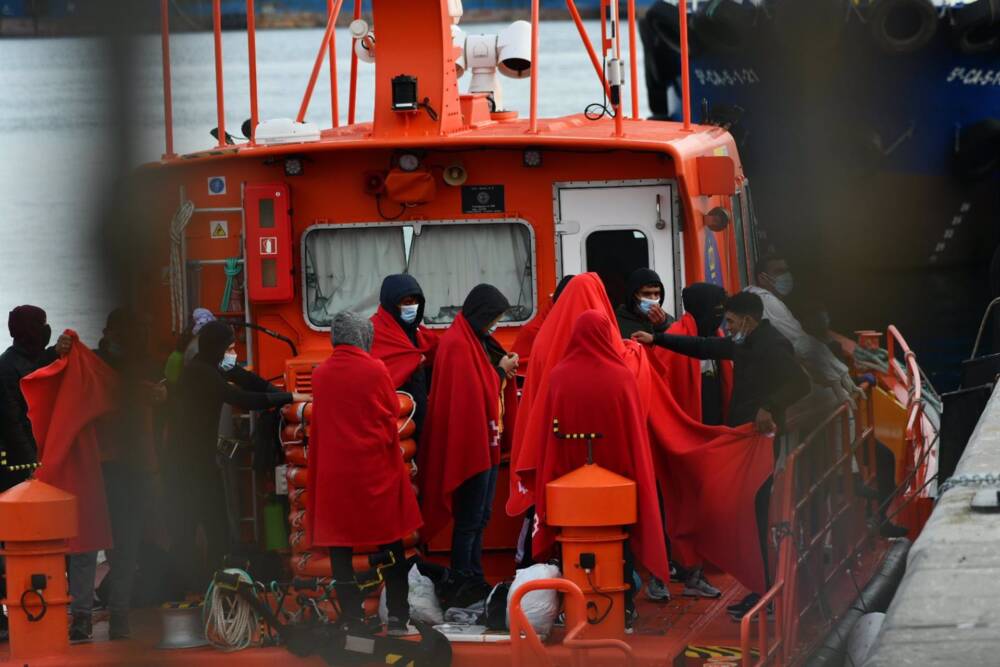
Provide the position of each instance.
(178, 224)
(231, 623)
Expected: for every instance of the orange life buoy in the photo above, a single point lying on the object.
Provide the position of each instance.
(316, 563)
(298, 498)
(405, 404)
(409, 449)
(297, 519)
(297, 476)
(294, 413)
(406, 427)
(296, 455)
(292, 434)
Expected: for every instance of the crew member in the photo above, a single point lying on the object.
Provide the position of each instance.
(766, 381)
(702, 389)
(193, 477)
(359, 487)
(472, 405)
(406, 347)
(643, 308)
(592, 391)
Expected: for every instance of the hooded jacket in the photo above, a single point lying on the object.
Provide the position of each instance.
(630, 318)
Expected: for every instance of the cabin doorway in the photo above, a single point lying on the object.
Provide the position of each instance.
(614, 227)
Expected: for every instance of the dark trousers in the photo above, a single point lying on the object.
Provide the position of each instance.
(472, 504)
(762, 507)
(351, 598)
(196, 497)
(128, 496)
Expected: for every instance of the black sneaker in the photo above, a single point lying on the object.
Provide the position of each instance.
(81, 629)
(631, 616)
(744, 605)
(4, 628)
(678, 572)
(892, 530)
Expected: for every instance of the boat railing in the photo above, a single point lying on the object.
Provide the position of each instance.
(525, 645)
(611, 41)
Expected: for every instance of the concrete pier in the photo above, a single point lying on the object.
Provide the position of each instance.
(947, 609)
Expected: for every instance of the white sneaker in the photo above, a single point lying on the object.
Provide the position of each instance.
(657, 591)
(697, 586)
(395, 628)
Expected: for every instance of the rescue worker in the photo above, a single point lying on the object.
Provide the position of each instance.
(194, 484)
(31, 334)
(402, 342)
(580, 400)
(643, 308)
(471, 409)
(766, 381)
(359, 487)
(702, 388)
(127, 441)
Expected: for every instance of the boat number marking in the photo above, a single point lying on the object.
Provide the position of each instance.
(269, 245)
(219, 229)
(216, 185)
(974, 76)
(726, 77)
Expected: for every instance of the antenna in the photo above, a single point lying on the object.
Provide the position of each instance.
(589, 437)
(685, 65)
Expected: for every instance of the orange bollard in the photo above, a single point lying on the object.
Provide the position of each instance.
(591, 504)
(36, 520)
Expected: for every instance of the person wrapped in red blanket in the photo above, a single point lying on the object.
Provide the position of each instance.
(526, 336)
(592, 391)
(359, 487)
(472, 408)
(65, 400)
(402, 342)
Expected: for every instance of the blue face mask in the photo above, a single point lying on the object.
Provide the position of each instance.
(228, 362)
(784, 284)
(645, 305)
(409, 313)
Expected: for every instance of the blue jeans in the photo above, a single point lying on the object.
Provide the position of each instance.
(471, 504)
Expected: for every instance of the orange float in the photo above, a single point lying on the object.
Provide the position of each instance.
(407, 427)
(298, 476)
(296, 455)
(405, 404)
(408, 448)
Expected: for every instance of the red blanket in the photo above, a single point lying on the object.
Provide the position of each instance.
(583, 292)
(65, 399)
(578, 396)
(464, 430)
(684, 373)
(394, 347)
(358, 485)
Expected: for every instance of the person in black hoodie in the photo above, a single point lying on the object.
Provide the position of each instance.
(194, 483)
(643, 307)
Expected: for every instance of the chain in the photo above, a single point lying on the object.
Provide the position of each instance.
(970, 481)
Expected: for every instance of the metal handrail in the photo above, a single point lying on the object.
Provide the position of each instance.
(982, 326)
(576, 619)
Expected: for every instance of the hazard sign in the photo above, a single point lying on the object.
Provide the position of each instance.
(219, 229)
(716, 655)
(269, 245)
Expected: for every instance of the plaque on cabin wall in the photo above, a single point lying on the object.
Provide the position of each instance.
(482, 199)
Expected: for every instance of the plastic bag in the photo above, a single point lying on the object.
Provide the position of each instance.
(424, 605)
(540, 607)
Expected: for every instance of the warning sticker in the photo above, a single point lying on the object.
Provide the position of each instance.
(715, 655)
(269, 245)
(219, 229)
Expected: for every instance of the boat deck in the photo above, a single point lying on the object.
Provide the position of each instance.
(664, 633)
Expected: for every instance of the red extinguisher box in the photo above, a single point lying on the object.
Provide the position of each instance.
(269, 243)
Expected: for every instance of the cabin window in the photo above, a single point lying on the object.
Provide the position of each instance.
(613, 254)
(345, 266)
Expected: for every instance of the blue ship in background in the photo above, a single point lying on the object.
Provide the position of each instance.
(871, 134)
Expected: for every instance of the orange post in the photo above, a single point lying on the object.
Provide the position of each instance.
(616, 25)
(632, 60)
(330, 25)
(591, 505)
(36, 520)
(685, 65)
(334, 107)
(252, 59)
(353, 99)
(587, 44)
(168, 114)
(220, 104)
(533, 120)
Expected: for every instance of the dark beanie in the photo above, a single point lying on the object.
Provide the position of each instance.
(28, 328)
(213, 341)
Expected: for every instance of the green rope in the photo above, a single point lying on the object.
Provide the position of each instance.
(232, 269)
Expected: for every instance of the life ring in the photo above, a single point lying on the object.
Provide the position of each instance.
(296, 455)
(297, 519)
(296, 413)
(406, 427)
(299, 540)
(298, 499)
(902, 26)
(405, 404)
(975, 27)
(977, 154)
(409, 449)
(298, 476)
(316, 563)
(724, 26)
(292, 434)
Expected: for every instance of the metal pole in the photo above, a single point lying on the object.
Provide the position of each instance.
(633, 60)
(330, 24)
(334, 106)
(616, 26)
(252, 57)
(352, 103)
(580, 28)
(685, 65)
(220, 105)
(533, 122)
(168, 113)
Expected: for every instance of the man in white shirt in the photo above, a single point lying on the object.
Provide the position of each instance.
(774, 284)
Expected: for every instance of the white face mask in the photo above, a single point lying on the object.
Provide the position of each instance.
(228, 362)
(784, 284)
(645, 305)
(409, 313)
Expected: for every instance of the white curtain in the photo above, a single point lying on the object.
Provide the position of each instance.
(449, 260)
(345, 268)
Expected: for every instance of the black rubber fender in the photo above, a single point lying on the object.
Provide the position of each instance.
(813, 27)
(663, 22)
(902, 26)
(977, 153)
(876, 596)
(975, 27)
(724, 26)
